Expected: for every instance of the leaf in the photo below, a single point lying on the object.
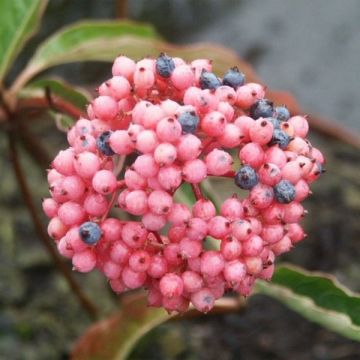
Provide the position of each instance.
(77, 96)
(19, 20)
(316, 296)
(83, 41)
(115, 337)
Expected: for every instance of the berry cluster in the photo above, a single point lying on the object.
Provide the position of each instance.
(181, 124)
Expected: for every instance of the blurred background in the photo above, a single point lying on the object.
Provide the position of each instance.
(309, 48)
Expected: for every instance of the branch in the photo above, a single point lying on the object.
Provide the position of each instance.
(26, 195)
(43, 103)
(197, 191)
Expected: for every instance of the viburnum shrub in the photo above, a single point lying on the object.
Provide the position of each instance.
(180, 123)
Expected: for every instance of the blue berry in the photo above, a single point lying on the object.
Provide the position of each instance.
(275, 122)
(246, 177)
(284, 192)
(102, 143)
(282, 113)
(90, 232)
(234, 78)
(261, 108)
(189, 121)
(208, 80)
(164, 65)
(280, 138)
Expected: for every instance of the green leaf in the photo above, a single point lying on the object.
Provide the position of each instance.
(77, 96)
(115, 337)
(83, 41)
(19, 20)
(316, 296)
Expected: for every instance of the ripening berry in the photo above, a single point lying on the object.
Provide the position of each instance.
(212, 263)
(84, 261)
(234, 271)
(300, 124)
(276, 156)
(170, 177)
(144, 79)
(246, 178)
(50, 207)
(182, 77)
(293, 212)
(241, 229)
(213, 123)
(95, 204)
(86, 164)
(71, 213)
(165, 154)
(234, 78)
(261, 132)
(171, 285)
(111, 270)
(158, 267)
(160, 202)
(208, 80)
(269, 174)
(153, 222)
(252, 154)
(104, 182)
(123, 66)
(282, 246)
(56, 229)
(203, 300)
(164, 65)
(219, 227)
(190, 248)
(194, 171)
(272, 233)
(179, 214)
(193, 282)
(280, 138)
(169, 130)
(261, 108)
(63, 162)
(134, 181)
(146, 141)
(137, 202)
(119, 252)
(281, 113)
(226, 94)
(90, 232)
(121, 143)
(196, 229)
(204, 209)
(189, 121)
(139, 261)
(232, 209)
(133, 279)
(230, 248)
(111, 229)
(284, 192)
(218, 162)
(302, 190)
(134, 234)
(188, 147)
(146, 166)
(105, 108)
(252, 246)
(261, 196)
(103, 143)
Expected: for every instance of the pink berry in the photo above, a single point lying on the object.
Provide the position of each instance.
(160, 202)
(171, 285)
(104, 182)
(84, 261)
(203, 300)
(204, 209)
(212, 263)
(105, 108)
(218, 162)
(194, 171)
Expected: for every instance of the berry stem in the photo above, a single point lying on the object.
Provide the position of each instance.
(197, 191)
(87, 304)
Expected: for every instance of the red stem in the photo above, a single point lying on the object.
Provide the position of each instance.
(197, 191)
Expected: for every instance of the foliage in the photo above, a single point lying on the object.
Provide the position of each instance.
(316, 296)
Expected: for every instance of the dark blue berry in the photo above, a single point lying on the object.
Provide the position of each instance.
(189, 121)
(90, 232)
(280, 138)
(246, 177)
(164, 65)
(234, 78)
(208, 80)
(284, 192)
(282, 113)
(102, 143)
(261, 108)
(275, 122)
